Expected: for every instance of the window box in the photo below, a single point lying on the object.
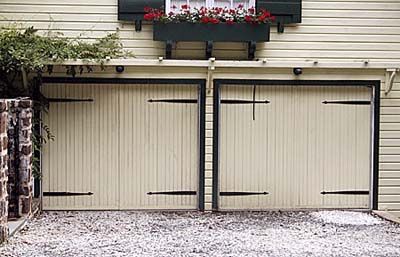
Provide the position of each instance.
(222, 32)
(209, 33)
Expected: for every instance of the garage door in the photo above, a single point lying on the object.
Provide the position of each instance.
(294, 147)
(132, 147)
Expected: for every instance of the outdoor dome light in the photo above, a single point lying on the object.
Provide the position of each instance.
(297, 71)
(119, 69)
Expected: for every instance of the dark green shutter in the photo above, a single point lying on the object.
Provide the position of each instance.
(131, 10)
(285, 11)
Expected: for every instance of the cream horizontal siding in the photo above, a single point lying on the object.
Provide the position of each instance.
(364, 29)
(389, 160)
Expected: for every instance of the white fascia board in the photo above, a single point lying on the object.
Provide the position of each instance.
(320, 64)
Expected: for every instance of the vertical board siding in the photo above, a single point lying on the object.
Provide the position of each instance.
(84, 155)
(330, 29)
(295, 148)
(159, 143)
(120, 147)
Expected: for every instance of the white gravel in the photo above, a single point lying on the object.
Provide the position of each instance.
(323, 233)
(346, 218)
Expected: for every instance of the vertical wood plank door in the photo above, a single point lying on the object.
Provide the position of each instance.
(295, 151)
(129, 152)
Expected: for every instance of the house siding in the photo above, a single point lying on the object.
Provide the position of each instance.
(337, 30)
(389, 159)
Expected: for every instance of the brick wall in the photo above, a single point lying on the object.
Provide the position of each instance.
(3, 171)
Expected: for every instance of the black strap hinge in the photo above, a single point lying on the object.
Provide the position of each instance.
(348, 102)
(346, 192)
(173, 101)
(239, 101)
(173, 193)
(66, 193)
(242, 193)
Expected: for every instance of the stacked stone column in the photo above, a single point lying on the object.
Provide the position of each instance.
(25, 156)
(20, 178)
(3, 171)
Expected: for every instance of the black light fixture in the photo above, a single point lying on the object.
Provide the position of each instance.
(297, 71)
(119, 68)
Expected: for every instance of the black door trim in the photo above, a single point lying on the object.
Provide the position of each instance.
(374, 84)
(201, 85)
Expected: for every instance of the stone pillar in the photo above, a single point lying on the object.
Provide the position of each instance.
(12, 187)
(25, 156)
(3, 171)
(20, 179)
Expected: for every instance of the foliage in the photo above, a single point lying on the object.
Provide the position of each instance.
(213, 15)
(25, 55)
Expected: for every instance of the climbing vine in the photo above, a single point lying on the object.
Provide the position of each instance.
(25, 55)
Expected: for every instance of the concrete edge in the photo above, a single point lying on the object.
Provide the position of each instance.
(387, 216)
(24, 220)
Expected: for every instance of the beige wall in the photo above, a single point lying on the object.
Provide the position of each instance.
(339, 29)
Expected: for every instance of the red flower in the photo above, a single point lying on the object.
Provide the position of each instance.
(272, 18)
(230, 22)
(149, 16)
(147, 9)
(248, 18)
(205, 20)
(185, 6)
(214, 21)
(173, 7)
(240, 6)
(266, 13)
(251, 10)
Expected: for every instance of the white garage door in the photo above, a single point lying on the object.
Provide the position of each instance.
(295, 147)
(128, 149)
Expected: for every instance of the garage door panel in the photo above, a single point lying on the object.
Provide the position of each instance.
(83, 156)
(121, 147)
(158, 153)
(296, 147)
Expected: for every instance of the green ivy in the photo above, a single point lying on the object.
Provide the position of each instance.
(25, 48)
(24, 51)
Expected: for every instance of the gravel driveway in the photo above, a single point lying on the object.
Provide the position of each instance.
(325, 233)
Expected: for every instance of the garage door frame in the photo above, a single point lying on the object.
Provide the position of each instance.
(201, 85)
(376, 91)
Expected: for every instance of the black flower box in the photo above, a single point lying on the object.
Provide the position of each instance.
(221, 32)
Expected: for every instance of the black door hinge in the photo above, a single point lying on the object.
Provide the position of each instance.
(239, 101)
(242, 193)
(173, 101)
(349, 102)
(346, 192)
(173, 193)
(66, 193)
